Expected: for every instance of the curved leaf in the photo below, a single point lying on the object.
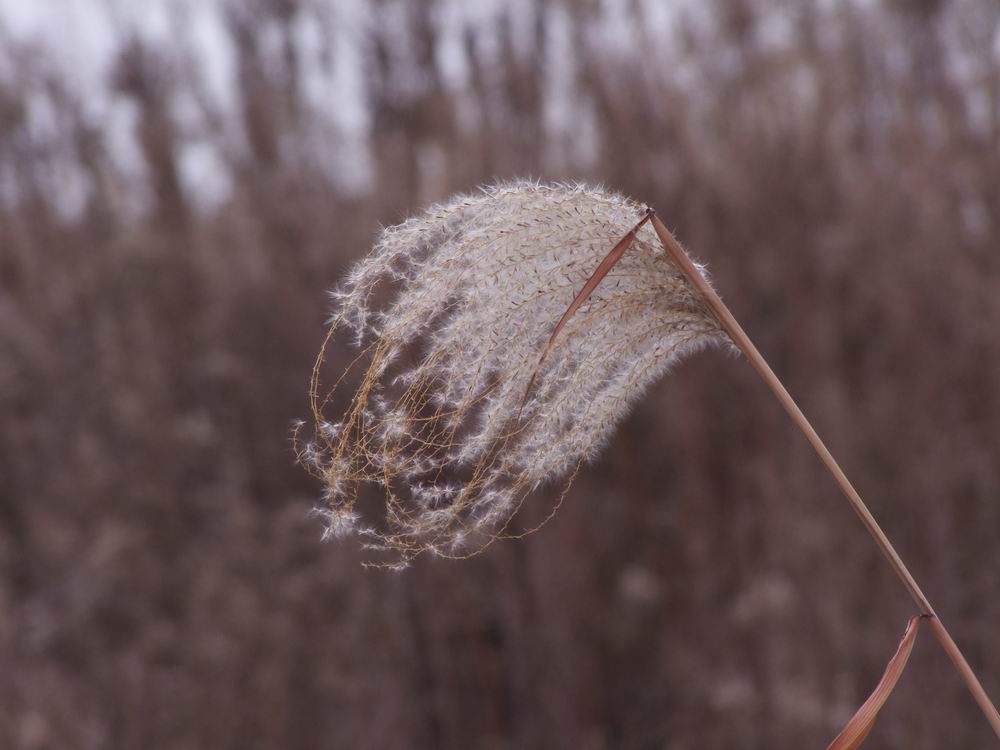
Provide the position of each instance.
(854, 733)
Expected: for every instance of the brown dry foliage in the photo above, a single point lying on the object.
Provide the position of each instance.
(161, 584)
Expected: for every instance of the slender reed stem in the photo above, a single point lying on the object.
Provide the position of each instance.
(739, 337)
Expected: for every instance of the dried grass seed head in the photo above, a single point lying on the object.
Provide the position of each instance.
(441, 422)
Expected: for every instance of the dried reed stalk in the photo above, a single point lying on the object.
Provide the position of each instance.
(745, 345)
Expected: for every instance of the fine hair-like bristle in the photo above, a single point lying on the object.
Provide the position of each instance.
(443, 422)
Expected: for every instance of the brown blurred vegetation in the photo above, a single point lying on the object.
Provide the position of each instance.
(161, 582)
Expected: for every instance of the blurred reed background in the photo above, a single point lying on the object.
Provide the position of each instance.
(166, 240)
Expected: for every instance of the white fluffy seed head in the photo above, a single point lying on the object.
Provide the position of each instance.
(453, 310)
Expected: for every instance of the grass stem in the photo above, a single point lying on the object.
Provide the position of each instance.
(743, 342)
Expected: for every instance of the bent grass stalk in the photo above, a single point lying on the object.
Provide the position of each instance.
(471, 399)
(757, 361)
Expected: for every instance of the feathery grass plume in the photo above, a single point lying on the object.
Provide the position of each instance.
(444, 422)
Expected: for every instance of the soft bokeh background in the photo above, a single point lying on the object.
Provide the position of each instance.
(181, 182)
